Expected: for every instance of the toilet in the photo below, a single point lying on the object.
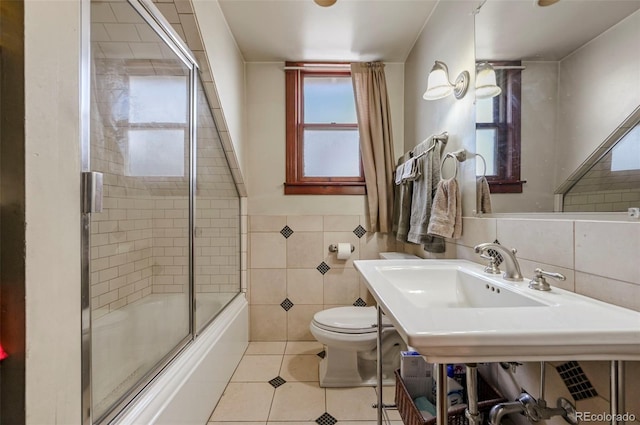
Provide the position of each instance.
(349, 335)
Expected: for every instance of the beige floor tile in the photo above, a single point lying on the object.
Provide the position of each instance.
(249, 402)
(266, 347)
(389, 397)
(237, 423)
(351, 403)
(301, 367)
(297, 401)
(257, 368)
(303, 347)
(292, 423)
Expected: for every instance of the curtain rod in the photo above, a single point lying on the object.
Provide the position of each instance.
(319, 67)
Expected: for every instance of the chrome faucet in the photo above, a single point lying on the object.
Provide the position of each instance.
(511, 262)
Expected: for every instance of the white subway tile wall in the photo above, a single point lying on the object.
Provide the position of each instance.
(140, 240)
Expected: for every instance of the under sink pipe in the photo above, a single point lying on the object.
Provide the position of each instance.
(617, 392)
(472, 413)
(442, 408)
(501, 410)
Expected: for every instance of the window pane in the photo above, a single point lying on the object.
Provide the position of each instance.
(329, 100)
(486, 142)
(626, 153)
(331, 153)
(148, 99)
(156, 153)
(484, 110)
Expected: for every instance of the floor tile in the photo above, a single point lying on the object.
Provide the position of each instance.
(352, 403)
(389, 398)
(258, 368)
(303, 368)
(303, 347)
(298, 401)
(238, 423)
(249, 402)
(266, 347)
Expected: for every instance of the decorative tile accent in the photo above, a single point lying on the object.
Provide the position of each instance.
(286, 304)
(360, 231)
(323, 268)
(286, 232)
(576, 381)
(495, 254)
(360, 303)
(322, 354)
(326, 419)
(277, 381)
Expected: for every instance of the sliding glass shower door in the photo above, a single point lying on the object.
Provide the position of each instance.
(140, 140)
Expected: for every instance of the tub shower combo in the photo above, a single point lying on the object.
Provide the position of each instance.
(161, 219)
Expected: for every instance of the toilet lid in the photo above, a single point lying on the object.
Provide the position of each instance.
(352, 320)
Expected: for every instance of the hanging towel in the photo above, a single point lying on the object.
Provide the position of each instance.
(402, 206)
(446, 215)
(398, 175)
(422, 198)
(483, 196)
(412, 170)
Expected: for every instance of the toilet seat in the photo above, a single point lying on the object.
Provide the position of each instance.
(348, 320)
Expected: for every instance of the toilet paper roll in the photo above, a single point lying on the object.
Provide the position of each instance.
(344, 251)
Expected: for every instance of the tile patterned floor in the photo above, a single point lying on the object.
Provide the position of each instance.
(276, 383)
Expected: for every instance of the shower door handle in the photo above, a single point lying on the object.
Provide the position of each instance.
(91, 192)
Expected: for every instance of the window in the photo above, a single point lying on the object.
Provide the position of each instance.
(498, 132)
(157, 129)
(323, 148)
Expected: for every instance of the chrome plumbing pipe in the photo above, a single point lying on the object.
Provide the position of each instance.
(379, 406)
(442, 410)
(472, 413)
(617, 392)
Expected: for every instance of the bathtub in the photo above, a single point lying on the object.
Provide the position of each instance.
(186, 391)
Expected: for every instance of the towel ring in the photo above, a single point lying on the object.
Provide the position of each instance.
(449, 155)
(484, 163)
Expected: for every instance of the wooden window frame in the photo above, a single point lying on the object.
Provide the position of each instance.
(507, 107)
(295, 182)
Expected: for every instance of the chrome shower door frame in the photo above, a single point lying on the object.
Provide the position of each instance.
(163, 29)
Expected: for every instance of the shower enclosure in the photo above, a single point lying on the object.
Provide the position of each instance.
(161, 226)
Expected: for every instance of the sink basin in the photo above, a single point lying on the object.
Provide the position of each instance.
(451, 311)
(446, 286)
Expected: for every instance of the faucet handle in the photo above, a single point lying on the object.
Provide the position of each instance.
(492, 267)
(540, 283)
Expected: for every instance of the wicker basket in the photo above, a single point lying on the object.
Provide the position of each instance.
(487, 398)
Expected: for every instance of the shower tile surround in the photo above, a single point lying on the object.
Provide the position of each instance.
(140, 240)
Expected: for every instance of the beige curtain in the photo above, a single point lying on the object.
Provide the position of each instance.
(376, 141)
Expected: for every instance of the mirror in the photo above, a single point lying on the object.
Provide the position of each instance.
(578, 68)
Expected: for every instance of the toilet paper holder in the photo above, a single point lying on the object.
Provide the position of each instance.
(334, 247)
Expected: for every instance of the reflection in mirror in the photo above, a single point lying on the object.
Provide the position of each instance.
(612, 183)
(579, 91)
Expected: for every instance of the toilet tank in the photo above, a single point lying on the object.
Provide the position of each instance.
(398, 256)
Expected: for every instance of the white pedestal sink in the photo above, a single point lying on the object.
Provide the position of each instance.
(451, 311)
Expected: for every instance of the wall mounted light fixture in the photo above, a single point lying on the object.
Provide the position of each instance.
(325, 3)
(439, 86)
(486, 85)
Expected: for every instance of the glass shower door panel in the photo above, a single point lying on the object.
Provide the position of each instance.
(140, 134)
(217, 220)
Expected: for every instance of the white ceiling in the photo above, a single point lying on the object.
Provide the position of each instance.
(519, 29)
(367, 30)
(300, 30)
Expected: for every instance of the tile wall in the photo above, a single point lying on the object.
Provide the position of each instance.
(599, 259)
(292, 274)
(140, 240)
